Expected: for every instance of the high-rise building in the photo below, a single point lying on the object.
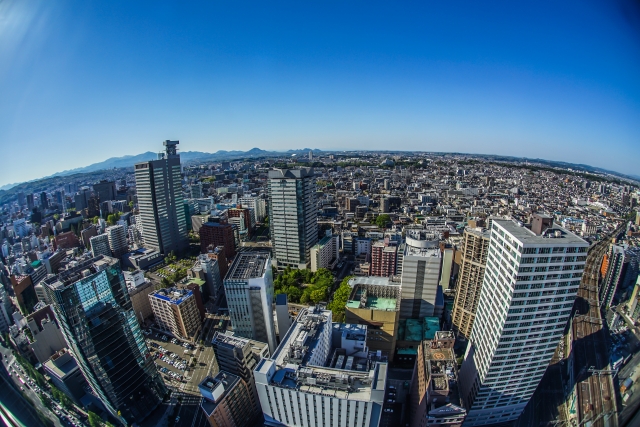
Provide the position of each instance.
(383, 259)
(617, 274)
(472, 265)
(175, 310)
(293, 214)
(195, 190)
(100, 245)
(106, 190)
(248, 287)
(30, 202)
(242, 218)
(530, 283)
(92, 304)
(117, 240)
(421, 293)
(159, 188)
(283, 318)
(322, 374)
(44, 201)
(218, 232)
(226, 401)
(239, 356)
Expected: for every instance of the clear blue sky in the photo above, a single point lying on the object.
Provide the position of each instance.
(84, 81)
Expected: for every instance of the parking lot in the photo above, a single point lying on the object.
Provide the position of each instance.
(182, 369)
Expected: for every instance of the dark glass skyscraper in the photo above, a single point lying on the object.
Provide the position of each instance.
(93, 306)
(159, 188)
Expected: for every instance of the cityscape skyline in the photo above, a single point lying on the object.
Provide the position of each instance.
(418, 77)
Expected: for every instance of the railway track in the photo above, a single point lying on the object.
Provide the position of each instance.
(596, 398)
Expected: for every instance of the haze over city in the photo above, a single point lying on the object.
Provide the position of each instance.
(536, 79)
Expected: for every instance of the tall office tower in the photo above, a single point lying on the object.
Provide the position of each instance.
(100, 245)
(239, 356)
(421, 295)
(93, 204)
(44, 201)
(249, 290)
(322, 374)
(218, 232)
(21, 199)
(283, 318)
(159, 188)
(106, 190)
(617, 260)
(30, 202)
(383, 259)
(92, 304)
(293, 216)
(176, 311)
(117, 240)
(470, 277)
(226, 401)
(530, 283)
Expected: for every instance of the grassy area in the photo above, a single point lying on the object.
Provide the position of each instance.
(175, 270)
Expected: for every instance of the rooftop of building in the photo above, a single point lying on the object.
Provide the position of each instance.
(61, 363)
(248, 265)
(290, 173)
(172, 295)
(375, 297)
(83, 269)
(551, 236)
(418, 329)
(229, 339)
(372, 280)
(216, 387)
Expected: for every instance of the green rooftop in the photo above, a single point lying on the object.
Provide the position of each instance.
(373, 302)
(198, 282)
(418, 329)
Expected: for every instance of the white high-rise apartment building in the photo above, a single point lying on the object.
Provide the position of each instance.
(117, 240)
(100, 245)
(249, 289)
(322, 374)
(530, 283)
(293, 216)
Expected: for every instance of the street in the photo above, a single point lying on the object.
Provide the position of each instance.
(11, 364)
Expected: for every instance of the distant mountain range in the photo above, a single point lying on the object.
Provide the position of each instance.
(185, 157)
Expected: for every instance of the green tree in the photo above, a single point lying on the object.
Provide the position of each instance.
(340, 298)
(383, 220)
(318, 295)
(94, 419)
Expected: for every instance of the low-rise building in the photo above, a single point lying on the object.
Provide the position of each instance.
(226, 401)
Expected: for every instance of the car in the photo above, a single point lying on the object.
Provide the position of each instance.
(388, 410)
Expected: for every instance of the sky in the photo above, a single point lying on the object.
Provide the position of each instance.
(81, 82)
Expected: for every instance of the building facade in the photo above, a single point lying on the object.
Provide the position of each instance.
(175, 310)
(383, 259)
(293, 214)
(159, 188)
(322, 374)
(117, 237)
(420, 276)
(92, 304)
(226, 401)
(470, 277)
(248, 287)
(530, 283)
(100, 245)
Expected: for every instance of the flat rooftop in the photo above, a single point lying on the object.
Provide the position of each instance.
(375, 297)
(248, 265)
(172, 295)
(527, 237)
